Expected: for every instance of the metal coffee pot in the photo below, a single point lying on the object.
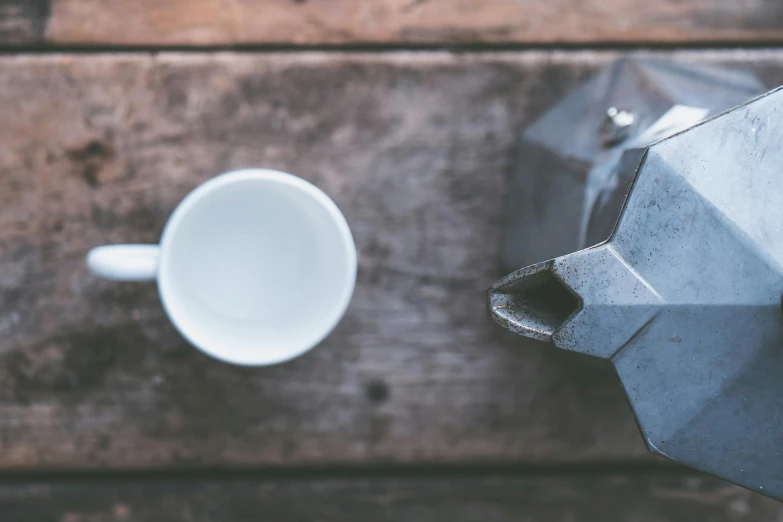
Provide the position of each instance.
(672, 204)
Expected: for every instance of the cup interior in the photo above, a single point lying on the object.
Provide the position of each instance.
(256, 266)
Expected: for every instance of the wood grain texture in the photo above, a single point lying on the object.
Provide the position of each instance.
(23, 21)
(414, 147)
(613, 498)
(232, 22)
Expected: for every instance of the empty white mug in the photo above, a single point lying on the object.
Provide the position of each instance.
(254, 267)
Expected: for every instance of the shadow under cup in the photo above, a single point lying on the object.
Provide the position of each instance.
(256, 267)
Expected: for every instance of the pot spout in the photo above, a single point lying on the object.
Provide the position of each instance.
(589, 302)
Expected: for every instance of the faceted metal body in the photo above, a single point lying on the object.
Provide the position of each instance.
(681, 291)
(567, 156)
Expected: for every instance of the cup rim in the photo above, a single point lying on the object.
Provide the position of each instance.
(192, 199)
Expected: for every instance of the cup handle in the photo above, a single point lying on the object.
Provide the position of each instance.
(124, 262)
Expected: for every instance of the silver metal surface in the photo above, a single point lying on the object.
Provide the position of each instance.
(684, 295)
(617, 126)
(569, 156)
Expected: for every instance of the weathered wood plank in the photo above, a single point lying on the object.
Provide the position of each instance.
(230, 22)
(23, 21)
(414, 147)
(586, 498)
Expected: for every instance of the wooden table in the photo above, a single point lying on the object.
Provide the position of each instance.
(405, 112)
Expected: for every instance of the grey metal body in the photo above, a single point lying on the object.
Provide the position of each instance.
(684, 295)
(567, 157)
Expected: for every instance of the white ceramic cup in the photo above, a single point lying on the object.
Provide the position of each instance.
(254, 267)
